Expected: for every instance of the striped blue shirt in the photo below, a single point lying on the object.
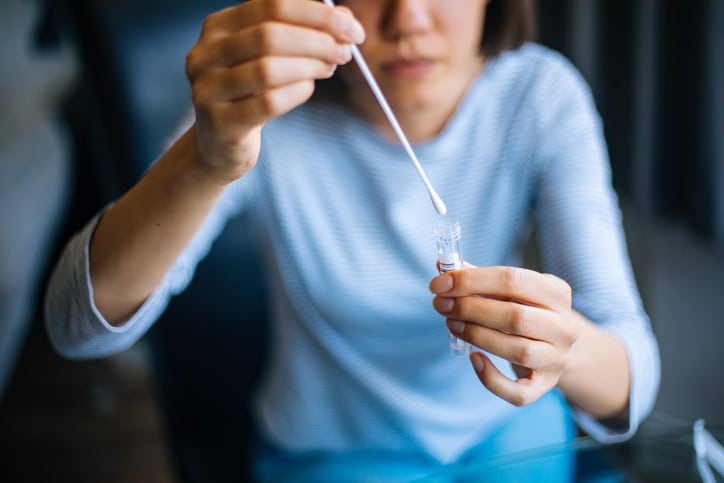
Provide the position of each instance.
(360, 357)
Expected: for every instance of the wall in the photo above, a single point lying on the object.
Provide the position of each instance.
(681, 279)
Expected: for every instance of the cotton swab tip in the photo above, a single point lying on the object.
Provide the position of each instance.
(438, 203)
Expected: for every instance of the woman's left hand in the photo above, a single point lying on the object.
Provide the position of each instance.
(518, 314)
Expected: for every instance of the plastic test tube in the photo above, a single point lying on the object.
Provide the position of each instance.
(447, 236)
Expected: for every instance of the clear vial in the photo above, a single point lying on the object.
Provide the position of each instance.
(447, 236)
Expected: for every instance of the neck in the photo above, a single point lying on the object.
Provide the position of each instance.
(420, 121)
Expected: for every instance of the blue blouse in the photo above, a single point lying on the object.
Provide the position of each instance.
(360, 357)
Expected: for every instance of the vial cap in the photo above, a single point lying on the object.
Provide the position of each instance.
(447, 228)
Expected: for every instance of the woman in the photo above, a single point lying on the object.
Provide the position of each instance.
(360, 380)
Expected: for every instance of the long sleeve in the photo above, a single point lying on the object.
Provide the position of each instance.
(582, 240)
(75, 326)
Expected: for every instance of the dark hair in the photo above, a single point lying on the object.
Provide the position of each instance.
(508, 25)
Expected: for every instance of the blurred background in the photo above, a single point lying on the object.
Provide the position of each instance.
(91, 90)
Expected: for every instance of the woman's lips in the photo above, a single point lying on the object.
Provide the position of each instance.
(408, 69)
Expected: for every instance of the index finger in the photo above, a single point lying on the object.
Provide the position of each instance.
(512, 283)
(338, 21)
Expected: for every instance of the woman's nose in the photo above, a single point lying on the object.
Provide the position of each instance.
(406, 17)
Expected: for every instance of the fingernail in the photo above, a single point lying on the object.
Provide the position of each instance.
(444, 305)
(344, 54)
(455, 326)
(478, 363)
(441, 284)
(351, 29)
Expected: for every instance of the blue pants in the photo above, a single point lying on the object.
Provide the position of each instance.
(527, 433)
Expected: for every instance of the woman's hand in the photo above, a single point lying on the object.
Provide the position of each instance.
(520, 315)
(254, 62)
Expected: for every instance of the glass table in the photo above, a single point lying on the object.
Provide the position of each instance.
(652, 456)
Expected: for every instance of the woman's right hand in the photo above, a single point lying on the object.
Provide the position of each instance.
(254, 62)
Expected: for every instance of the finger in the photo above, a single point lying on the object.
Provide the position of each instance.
(524, 285)
(507, 316)
(255, 78)
(274, 39)
(235, 118)
(519, 393)
(526, 352)
(338, 22)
